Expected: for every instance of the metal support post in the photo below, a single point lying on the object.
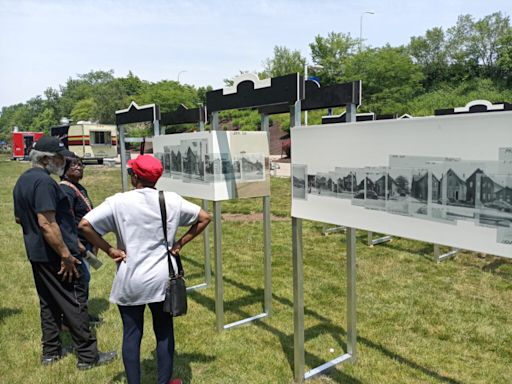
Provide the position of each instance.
(219, 284)
(298, 301)
(351, 294)
(350, 113)
(380, 240)
(156, 127)
(267, 263)
(267, 237)
(206, 245)
(124, 174)
(440, 257)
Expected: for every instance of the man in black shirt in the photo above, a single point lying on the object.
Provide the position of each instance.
(51, 242)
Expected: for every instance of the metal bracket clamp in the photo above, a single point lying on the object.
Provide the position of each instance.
(448, 255)
(380, 240)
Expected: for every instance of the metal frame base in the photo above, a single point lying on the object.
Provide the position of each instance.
(196, 287)
(298, 305)
(380, 240)
(448, 255)
(321, 368)
(246, 320)
(267, 268)
(326, 230)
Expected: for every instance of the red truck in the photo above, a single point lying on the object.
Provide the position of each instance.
(22, 143)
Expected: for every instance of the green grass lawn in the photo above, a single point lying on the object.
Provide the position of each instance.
(418, 321)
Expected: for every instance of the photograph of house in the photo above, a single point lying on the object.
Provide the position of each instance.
(193, 153)
(399, 190)
(166, 163)
(359, 186)
(375, 193)
(496, 210)
(324, 184)
(344, 179)
(252, 166)
(175, 161)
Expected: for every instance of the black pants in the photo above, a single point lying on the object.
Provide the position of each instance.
(58, 299)
(133, 327)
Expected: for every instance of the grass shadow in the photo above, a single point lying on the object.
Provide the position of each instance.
(7, 312)
(98, 305)
(181, 367)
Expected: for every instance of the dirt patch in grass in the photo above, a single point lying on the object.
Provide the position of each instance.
(252, 217)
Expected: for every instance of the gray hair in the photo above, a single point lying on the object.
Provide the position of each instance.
(36, 156)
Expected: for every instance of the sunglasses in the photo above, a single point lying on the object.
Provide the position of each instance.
(130, 172)
(76, 165)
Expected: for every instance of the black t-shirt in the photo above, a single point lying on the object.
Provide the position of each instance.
(78, 206)
(36, 192)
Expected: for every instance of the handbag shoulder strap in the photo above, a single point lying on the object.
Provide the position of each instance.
(163, 214)
(78, 193)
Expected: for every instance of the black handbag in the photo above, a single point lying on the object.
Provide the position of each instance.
(175, 301)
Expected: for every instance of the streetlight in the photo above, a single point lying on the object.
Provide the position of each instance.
(306, 66)
(179, 73)
(361, 28)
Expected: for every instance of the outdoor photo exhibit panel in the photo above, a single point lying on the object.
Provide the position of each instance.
(444, 180)
(214, 165)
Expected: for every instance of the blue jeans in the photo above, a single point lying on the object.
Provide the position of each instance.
(133, 326)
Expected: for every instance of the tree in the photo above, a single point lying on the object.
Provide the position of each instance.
(430, 53)
(389, 76)
(44, 121)
(485, 42)
(504, 60)
(475, 46)
(284, 62)
(85, 109)
(331, 53)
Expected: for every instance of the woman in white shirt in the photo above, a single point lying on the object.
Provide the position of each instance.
(141, 254)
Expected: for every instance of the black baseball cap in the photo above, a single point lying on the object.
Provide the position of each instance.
(53, 145)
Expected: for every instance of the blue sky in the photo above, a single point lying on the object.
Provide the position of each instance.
(43, 43)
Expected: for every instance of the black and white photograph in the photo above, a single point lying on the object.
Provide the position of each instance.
(166, 163)
(359, 186)
(437, 208)
(159, 156)
(345, 179)
(312, 189)
(399, 190)
(252, 166)
(375, 189)
(495, 200)
(324, 184)
(462, 187)
(192, 154)
(176, 161)
(418, 202)
(505, 154)
(237, 168)
(219, 167)
(407, 161)
(299, 173)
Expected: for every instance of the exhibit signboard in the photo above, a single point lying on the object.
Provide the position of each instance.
(444, 180)
(214, 165)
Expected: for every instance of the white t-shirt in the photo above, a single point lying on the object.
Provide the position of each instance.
(135, 218)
